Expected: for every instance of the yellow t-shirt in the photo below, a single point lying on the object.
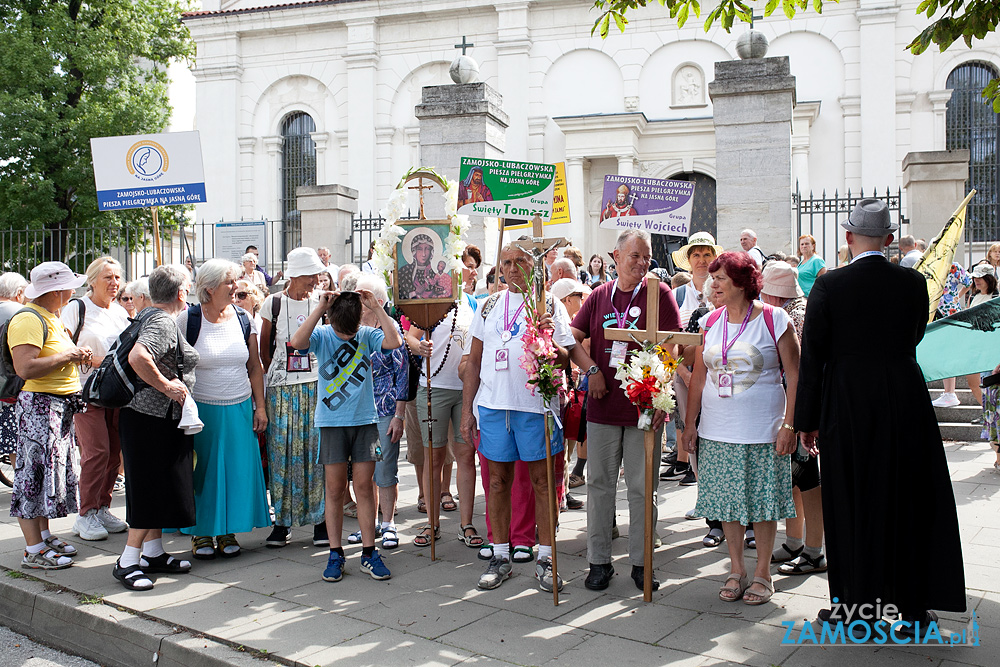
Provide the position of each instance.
(25, 329)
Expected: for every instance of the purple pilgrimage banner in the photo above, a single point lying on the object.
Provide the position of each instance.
(654, 205)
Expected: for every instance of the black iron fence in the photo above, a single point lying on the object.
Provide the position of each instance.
(364, 230)
(821, 217)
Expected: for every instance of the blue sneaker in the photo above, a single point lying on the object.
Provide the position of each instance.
(334, 567)
(374, 566)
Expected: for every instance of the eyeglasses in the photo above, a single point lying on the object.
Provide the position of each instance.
(126, 298)
(242, 295)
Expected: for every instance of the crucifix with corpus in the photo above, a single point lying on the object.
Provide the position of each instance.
(651, 336)
(538, 246)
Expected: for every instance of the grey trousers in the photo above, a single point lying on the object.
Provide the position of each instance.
(607, 448)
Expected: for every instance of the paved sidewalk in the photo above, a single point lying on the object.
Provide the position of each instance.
(272, 602)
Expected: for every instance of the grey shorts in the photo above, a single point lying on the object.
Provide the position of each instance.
(338, 444)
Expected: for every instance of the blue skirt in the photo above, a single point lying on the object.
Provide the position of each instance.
(229, 491)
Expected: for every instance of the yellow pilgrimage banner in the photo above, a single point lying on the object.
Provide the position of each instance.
(560, 202)
(936, 261)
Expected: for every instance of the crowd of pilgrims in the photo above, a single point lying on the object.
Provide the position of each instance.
(303, 390)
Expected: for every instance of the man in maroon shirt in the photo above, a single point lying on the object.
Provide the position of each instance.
(612, 432)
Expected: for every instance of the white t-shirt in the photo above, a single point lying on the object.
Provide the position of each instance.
(222, 377)
(754, 413)
(506, 389)
(293, 314)
(450, 342)
(101, 326)
(691, 303)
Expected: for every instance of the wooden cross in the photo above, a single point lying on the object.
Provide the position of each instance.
(538, 246)
(464, 45)
(651, 335)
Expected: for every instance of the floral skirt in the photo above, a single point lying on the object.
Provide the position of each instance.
(8, 429)
(743, 483)
(296, 479)
(991, 413)
(47, 470)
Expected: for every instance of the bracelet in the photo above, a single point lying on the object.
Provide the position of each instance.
(399, 417)
(789, 427)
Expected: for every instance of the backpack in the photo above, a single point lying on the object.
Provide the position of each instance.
(114, 383)
(714, 316)
(275, 311)
(10, 382)
(82, 308)
(194, 324)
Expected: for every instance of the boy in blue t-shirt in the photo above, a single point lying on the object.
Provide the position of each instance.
(346, 415)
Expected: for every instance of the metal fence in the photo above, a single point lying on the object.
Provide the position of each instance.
(821, 217)
(364, 230)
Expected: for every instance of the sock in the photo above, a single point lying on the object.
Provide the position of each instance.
(578, 468)
(338, 550)
(813, 552)
(384, 525)
(35, 548)
(130, 556)
(502, 550)
(792, 543)
(366, 552)
(46, 534)
(153, 548)
(544, 551)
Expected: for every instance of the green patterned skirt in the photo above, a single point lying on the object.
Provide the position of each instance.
(743, 483)
(296, 479)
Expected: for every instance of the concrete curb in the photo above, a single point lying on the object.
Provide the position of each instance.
(110, 634)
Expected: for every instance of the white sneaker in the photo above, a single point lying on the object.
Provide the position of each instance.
(89, 527)
(946, 400)
(111, 523)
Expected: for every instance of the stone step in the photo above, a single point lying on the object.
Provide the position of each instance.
(961, 414)
(964, 396)
(960, 432)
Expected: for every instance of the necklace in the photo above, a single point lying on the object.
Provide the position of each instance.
(509, 322)
(447, 350)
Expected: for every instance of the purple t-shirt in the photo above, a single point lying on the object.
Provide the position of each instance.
(594, 317)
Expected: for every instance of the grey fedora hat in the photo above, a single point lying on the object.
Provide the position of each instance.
(870, 218)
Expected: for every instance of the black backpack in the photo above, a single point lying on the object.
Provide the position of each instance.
(114, 383)
(194, 324)
(10, 382)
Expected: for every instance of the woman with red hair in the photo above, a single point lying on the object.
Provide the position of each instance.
(746, 437)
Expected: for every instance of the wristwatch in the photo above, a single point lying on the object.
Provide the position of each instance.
(593, 370)
(789, 427)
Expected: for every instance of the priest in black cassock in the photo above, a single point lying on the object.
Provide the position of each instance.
(888, 505)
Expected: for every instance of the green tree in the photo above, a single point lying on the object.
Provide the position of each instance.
(968, 20)
(70, 71)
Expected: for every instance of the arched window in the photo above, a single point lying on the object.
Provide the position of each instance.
(971, 123)
(298, 167)
(704, 217)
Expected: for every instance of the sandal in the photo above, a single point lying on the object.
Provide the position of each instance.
(202, 548)
(390, 540)
(226, 542)
(351, 509)
(473, 541)
(714, 538)
(60, 547)
(522, 554)
(804, 565)
(733, 593)
(166, 564)
(421, 505)
(132, 577)
(448, 505)
(761, 598)
(788, 555)
(486, 552)
(426, 535)
(354, 538)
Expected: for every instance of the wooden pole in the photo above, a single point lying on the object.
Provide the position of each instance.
(649, 440)
(433, 500)
(157, 251)
(496, 270)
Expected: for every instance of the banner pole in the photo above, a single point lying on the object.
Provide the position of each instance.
(157, 251)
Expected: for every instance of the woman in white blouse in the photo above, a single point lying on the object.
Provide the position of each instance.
(229, 487)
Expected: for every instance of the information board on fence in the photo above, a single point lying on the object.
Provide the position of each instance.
(560, 202)
(505, 189)
(146, 170)
(651, 204)
(232, 239)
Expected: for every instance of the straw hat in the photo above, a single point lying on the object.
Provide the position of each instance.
(697, 239)
(781, 279)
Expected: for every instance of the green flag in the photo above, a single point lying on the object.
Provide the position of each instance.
(967, 342)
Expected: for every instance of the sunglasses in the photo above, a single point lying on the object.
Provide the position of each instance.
(126, 298)
(242, 295)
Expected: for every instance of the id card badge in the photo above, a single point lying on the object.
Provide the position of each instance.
(618, 351)
(295, 361)
(725, 385)
(501, 361)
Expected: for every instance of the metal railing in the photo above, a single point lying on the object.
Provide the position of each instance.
(364, 230)
(821, 218)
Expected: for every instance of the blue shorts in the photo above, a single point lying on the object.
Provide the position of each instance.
(511, 435)
(387, 470)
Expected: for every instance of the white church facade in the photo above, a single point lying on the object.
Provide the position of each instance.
(323, 91)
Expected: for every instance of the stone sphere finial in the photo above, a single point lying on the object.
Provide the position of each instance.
(751, 44)
(464, 70)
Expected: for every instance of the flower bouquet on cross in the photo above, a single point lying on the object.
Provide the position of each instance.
(646, 380)
(545, 375)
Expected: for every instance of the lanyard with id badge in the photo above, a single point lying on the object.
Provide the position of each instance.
(726, 374)
(619, 348)
(296, 361)
(510, 327)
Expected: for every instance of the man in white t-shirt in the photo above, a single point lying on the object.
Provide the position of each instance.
(908, 249)
(509, 419)
(748, 241)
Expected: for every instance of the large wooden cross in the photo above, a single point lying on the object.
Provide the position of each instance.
(653, 336)
(538, 247)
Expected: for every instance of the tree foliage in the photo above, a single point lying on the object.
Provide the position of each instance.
(968, 20)
(70, 71)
